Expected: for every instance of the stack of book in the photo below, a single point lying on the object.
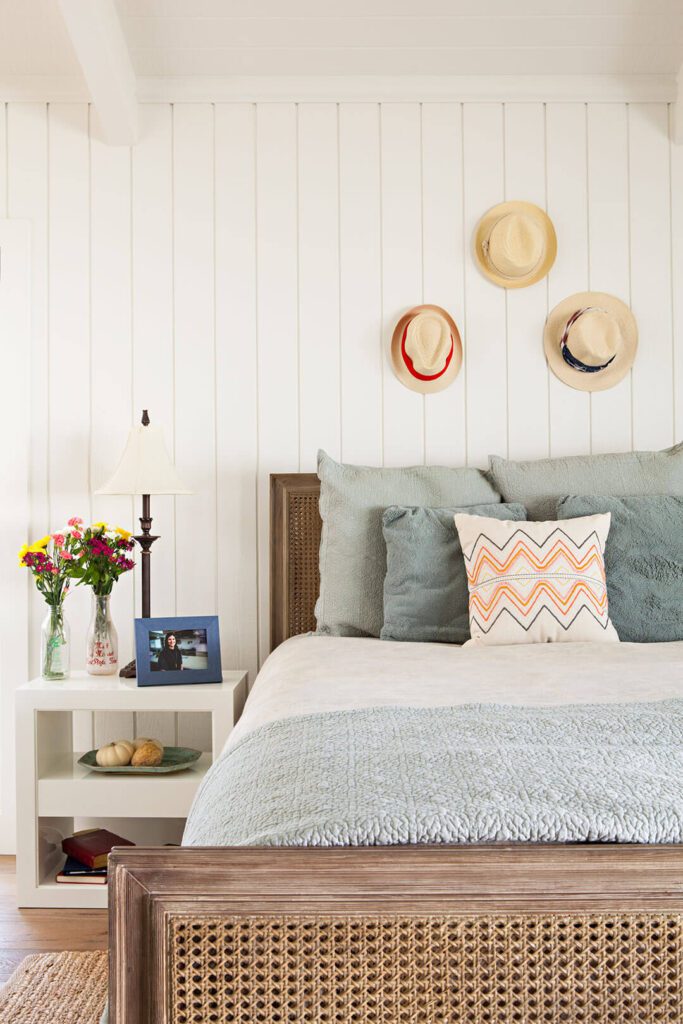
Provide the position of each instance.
(87, 853)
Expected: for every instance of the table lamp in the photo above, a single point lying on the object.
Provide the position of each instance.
(145, 468)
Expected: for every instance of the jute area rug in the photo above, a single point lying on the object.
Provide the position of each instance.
(56, 988)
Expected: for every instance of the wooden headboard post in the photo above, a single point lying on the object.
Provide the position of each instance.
(295, 527)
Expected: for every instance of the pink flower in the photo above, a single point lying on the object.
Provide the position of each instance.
(76, 535)
(54, 570)
(58, 538)
(75, 521)
(67, 554)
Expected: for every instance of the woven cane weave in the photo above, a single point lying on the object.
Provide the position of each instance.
(530, 969)
(303, 529)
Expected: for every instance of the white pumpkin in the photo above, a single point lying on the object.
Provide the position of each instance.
(115, 755)
(140, 741)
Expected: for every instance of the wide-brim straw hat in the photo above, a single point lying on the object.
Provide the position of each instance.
(591, 340)
(426, 349)
(515, 244)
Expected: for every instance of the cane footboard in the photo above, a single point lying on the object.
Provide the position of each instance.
(473, 935)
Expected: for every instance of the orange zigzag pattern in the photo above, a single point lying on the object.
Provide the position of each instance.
(581, 591)
(560, 550)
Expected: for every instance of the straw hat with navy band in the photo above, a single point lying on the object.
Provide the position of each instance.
(426, 350)
(591, 340)
(515, 244)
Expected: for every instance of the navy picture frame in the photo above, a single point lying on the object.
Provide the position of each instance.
(147, 676)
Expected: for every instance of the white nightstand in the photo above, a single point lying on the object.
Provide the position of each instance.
(52, 789)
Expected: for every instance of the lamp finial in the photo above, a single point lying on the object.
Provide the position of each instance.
(145, 418)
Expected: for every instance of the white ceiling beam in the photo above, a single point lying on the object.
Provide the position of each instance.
(677, 120)
(100, 45)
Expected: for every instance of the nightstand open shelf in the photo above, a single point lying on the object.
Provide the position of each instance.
(53, 789)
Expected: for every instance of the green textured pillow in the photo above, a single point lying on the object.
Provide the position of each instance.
(353, 560)
(425, 589)
(643, 563)
(540, 484)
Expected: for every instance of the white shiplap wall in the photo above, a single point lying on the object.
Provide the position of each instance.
(239, 272)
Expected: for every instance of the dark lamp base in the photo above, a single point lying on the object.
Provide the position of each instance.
(128, 671)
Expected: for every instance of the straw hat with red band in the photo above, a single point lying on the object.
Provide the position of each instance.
(426, 350)
(591, 340)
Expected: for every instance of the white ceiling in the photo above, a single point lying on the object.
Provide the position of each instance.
(199, 38)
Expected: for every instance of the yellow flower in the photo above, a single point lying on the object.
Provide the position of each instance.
(40, 545)
(99, 526)
(126, 534)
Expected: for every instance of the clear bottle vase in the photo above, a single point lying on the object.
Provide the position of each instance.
(55, 647)
(102, 642)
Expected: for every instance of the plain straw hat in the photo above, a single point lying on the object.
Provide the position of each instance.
(591, 340)
(426, 349)
(515, 244)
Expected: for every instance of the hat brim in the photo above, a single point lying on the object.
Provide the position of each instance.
(624, 359)
(484, 228)
(425, 387)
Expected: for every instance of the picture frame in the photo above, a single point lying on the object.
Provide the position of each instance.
(178, 650)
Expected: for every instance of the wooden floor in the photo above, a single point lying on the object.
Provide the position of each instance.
(42, 931)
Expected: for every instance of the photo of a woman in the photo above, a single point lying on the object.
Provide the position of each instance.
(170, 659)
(178, 650)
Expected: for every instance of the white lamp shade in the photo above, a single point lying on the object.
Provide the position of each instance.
(145, 466)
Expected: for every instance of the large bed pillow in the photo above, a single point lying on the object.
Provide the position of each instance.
(353, 560)
(536, 582)
(425, 588)
(541, 483)
(643, 563)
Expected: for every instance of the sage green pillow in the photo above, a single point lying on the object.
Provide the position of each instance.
(541, 483)
(353, 560)
(643, 563)
(425, 589)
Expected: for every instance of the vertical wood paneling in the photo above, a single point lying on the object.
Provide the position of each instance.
(153, 334)
(360, 309)
(402, 284)
(111, 359)
(236, 384)
(568, 206)
(69, 349)
(195, 374)
(608, 255)
(318, 220)
(650, 197)
(277, 318)
(444, 249)
(15, 325)
(486, 364)
(526, 308)
(27, 191)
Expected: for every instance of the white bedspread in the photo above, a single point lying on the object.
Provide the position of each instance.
(316, 673)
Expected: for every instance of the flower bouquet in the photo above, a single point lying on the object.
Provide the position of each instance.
(101, 556)
(50, 560)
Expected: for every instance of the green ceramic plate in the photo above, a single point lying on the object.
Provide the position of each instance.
(174, 760)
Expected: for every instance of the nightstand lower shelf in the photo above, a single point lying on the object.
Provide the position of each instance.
(68, 784)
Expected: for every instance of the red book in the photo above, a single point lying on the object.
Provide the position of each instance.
(92, 846)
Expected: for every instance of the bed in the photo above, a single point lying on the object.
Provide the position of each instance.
(297, 920)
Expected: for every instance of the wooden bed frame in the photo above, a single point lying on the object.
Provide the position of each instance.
(490, 934)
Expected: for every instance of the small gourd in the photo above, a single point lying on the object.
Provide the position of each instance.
(115, 755)
(148, 755)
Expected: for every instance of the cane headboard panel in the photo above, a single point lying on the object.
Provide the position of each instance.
(295, 527)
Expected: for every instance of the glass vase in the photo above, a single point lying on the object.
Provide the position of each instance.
(55, 648)
(102, 642)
